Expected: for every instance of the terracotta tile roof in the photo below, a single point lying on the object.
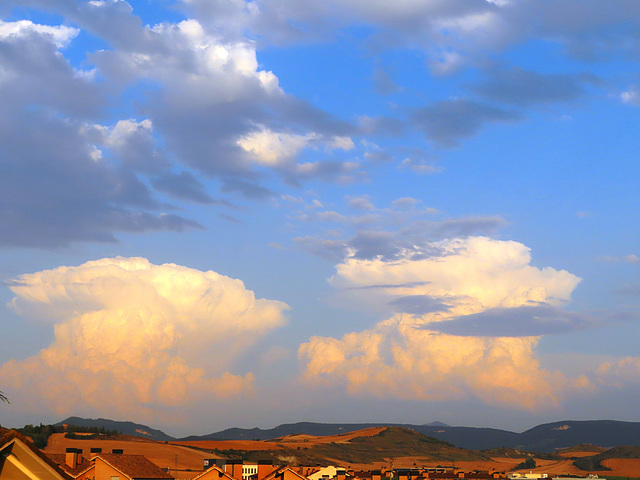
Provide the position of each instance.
(134, 466)
(61, 460)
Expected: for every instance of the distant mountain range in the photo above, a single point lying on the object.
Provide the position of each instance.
(543, 438)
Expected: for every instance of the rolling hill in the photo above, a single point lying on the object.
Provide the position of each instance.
(368, 446)
(542, 438)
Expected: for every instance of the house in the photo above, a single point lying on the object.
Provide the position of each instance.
(284, 473)
(20, 460)
(326, 473)
(237, 469)
(108, 466)
(216, 473)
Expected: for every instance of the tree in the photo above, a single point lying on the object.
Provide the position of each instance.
(529, 463)
(3, 398)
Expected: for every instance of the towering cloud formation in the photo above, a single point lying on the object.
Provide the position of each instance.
(408, 356)
(132, 336)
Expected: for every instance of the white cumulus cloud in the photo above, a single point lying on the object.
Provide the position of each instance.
(473, 273)
(152, 336)
(404, 357)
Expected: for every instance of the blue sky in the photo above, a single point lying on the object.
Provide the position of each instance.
(399, 212)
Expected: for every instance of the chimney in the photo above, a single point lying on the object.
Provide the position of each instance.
(73, 457)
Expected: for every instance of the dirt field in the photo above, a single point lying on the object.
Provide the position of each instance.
(163, 455)
(622, 468)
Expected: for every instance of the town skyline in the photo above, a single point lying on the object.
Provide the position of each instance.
(241, 213)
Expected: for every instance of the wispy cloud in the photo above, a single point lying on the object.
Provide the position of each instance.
(631, 258)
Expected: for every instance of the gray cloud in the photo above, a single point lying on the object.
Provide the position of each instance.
(325, 170)
(249, 189)
(401, 231)
(462, 227)
(632, 290)
(229, 218)
(332, 250)
(65, 180)
(53, 193)
(418, 305)
(369, 245)
(374, 244)
(360, 203)
(522, 88)
(589, 29)
(385, 286)
(516, 322)
(381, 126)
(33, 72)
(378, 157)
(383, 83)
(419, 165)
(453, 34)
(287, 21)
(201, 111)
(70, 178)
(447, 121)
(185, 186)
